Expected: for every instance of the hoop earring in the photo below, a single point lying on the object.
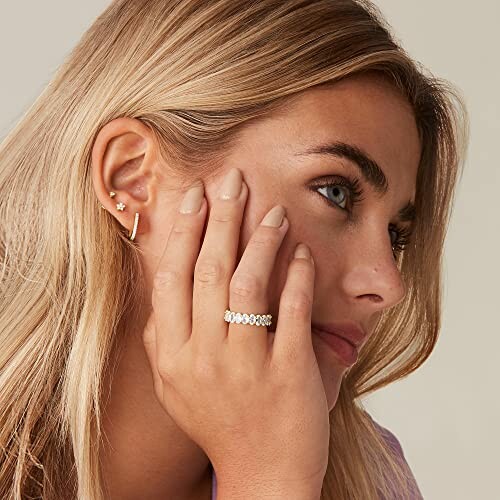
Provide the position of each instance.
(134, 231)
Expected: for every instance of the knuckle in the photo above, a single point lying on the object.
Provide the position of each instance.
(166, 279)
(244, 376)
(297, 304)
(245, 285)
(210, 272)
(223, 216)
(203, 368)
(302, 267)
(264, 238)
(182, 227)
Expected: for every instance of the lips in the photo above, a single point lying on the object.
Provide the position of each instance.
(348, 330)
(347, 353)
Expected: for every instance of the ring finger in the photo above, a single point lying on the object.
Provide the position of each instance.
(249, 285)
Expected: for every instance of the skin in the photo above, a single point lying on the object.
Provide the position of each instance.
(356, 274)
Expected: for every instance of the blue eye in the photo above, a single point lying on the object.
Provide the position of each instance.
(336, 186)
(403, 238)
(335, 190)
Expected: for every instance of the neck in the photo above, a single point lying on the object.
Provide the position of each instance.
(145, 453)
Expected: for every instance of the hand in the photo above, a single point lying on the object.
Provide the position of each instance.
(254, 406)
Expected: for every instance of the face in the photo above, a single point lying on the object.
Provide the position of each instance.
(351, 239)
(365, 121)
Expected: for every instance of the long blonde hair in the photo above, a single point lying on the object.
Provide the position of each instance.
(193, 71)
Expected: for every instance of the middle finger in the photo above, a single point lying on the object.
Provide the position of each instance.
(216, 261)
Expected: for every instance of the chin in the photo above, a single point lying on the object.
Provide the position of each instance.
(332, 389)
(332, 372)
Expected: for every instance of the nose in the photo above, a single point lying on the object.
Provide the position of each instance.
(371, 276)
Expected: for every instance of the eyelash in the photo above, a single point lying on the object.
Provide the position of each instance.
(355, 195)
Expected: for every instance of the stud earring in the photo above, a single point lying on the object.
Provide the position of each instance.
(121, 206)
(111, 194)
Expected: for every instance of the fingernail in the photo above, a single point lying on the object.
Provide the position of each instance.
(231, 186)
(274, 217)
(302, 251)
(192, 200)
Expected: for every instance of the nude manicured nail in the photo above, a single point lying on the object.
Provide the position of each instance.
(274, 217)
(231, 185)
(192, 200)
(302, 251)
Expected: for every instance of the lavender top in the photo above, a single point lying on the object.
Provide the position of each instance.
(390, 439)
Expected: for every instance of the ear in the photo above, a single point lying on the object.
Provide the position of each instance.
(124, 161)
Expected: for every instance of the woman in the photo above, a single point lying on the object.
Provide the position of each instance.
(328, 121)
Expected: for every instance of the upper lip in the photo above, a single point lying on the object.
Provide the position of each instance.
(350, 331)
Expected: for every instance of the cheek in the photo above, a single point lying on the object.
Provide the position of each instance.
(284, 256)
(321, 237)
(320, 230)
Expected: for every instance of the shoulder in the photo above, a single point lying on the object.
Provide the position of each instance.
(389, 437)
(394, 443)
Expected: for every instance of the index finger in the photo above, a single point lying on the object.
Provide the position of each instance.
(173, 281)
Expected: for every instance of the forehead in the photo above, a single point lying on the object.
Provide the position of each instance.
(365, 111)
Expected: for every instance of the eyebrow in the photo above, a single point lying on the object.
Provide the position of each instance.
(369, 168)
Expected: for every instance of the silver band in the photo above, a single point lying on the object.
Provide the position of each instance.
(247, 319)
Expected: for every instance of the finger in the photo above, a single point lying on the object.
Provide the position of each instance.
(173, 282)
(216, 262)
(293, 337)
(248, 289)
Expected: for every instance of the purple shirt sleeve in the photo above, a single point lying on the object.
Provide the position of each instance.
(393, 443)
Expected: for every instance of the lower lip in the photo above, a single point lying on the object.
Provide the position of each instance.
(345, 350)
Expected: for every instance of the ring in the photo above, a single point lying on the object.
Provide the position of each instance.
(247, 319)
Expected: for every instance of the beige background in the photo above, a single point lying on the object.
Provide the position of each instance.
(446, 414)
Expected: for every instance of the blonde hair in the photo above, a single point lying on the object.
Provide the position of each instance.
(194, 72)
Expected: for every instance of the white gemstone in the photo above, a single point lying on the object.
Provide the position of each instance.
(258, 320)
(245, 319)
(238, 318)
(231, 317)
(252, 319)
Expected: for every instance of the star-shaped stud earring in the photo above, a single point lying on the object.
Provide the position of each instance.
(120, 206)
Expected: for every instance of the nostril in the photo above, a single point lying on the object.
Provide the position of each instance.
(374, 297)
